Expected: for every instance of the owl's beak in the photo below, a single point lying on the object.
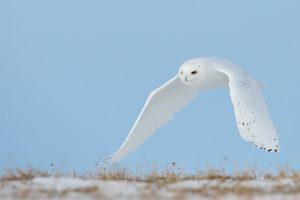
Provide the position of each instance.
(185, 78)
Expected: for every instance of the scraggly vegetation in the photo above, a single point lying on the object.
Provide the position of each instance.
(163, 183)
(171, 172)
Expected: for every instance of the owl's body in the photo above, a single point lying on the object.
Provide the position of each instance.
(195, 76)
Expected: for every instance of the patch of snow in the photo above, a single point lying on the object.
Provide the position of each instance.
(61, 184)
(68, 188)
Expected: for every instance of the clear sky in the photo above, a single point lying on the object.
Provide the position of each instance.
(74, 75)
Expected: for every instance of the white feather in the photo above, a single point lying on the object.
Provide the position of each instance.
(250, 109)
(158, 110)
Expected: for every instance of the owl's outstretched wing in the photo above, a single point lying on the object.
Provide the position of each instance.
(159, 109)
(250, 109)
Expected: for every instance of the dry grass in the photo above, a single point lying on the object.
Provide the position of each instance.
(157, 179)
(171, 173)
(20, 174)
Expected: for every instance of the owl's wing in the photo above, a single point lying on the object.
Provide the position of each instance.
(159, 109)
(250, 109)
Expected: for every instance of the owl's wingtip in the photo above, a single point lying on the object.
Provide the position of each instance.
(104, 161)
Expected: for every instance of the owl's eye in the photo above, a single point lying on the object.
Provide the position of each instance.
(194, 72)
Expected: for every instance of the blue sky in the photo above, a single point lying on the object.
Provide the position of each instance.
(75, 74)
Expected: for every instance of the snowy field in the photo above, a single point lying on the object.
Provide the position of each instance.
(206, 186)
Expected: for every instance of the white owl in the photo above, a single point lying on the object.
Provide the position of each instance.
(197, 75)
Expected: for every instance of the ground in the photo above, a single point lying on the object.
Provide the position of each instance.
(165, 184)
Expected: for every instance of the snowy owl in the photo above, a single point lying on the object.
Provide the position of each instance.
(194, 76)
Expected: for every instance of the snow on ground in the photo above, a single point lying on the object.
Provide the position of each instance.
(69, 188)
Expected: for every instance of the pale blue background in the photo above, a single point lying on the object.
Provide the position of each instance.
(75, 74)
